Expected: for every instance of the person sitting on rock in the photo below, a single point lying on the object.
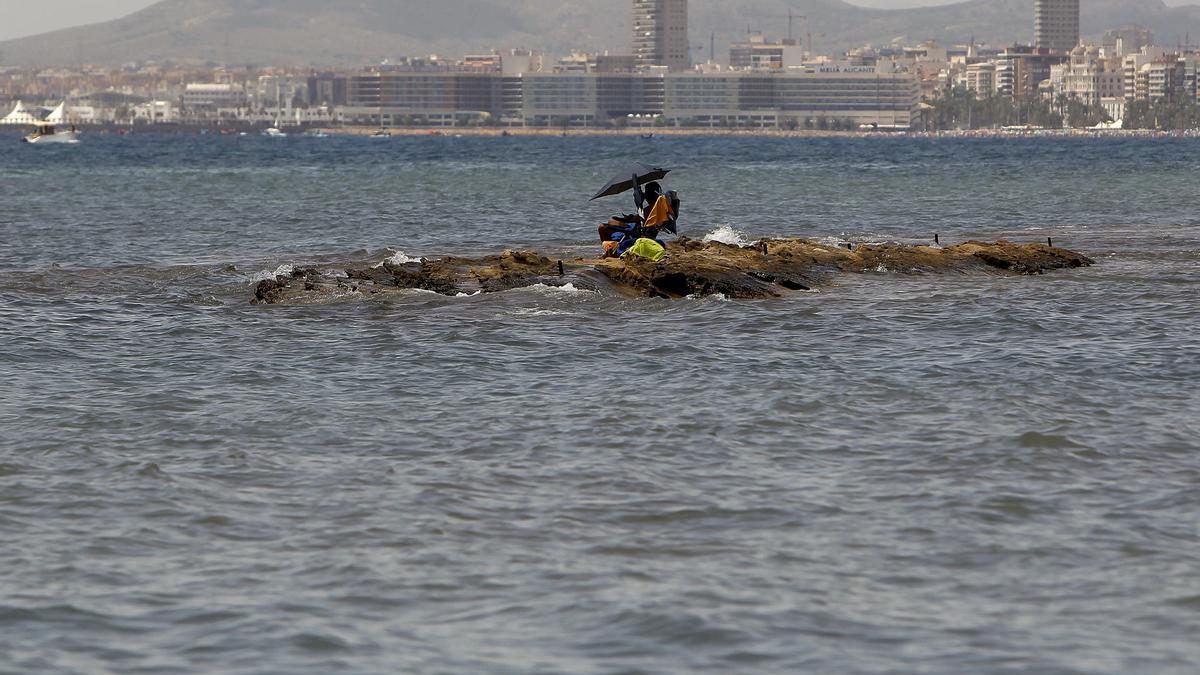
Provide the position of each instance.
(656, 211)
(659, 211)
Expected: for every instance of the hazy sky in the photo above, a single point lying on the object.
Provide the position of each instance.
(25, 17)
(28, 17)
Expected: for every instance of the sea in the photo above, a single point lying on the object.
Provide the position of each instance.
(896, 473)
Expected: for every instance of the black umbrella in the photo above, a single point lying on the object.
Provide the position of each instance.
(623, 182)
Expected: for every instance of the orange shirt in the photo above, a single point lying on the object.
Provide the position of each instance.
(660, 214)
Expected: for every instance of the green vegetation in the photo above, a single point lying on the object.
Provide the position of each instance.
(1165, 115)
(960, 109)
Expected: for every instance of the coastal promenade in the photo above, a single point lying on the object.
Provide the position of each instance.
(648, 133)
(764, 133)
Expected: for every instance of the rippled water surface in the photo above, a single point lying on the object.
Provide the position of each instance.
(939, 474)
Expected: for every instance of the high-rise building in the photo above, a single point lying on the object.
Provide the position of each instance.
(660, 33)
(1056, 24)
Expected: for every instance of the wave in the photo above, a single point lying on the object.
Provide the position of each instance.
(568, 288)
(284, 270)
(725, 234)
(397, 257)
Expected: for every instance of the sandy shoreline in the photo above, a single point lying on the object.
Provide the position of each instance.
(542, 132)
(477, 132)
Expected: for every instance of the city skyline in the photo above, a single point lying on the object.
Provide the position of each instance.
(335, 34)
(766, 84)
(23, 19)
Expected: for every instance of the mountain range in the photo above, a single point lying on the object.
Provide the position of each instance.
(357, 32)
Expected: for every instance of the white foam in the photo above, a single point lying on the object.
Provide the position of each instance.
(530, 311)
(468, 295)
(568, 288)
(715, 297)
(725, 234)
(397, 258)
(283, 270)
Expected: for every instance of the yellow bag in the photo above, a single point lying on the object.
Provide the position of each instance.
(647, 248)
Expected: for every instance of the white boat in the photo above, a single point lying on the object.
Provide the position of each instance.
(45, 132)
(274, 132)
(382, 133)
(319, 133)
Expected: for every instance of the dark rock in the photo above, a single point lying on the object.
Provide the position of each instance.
(269, 291)
(376, 274)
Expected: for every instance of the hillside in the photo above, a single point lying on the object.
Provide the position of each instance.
(351, 32)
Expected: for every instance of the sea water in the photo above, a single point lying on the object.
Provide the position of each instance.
(899, 473)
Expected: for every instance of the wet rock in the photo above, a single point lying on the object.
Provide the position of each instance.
(269, 291)
(1023, 258)
(513, 269)
(768, 268)
(426, 275)
(373, 274)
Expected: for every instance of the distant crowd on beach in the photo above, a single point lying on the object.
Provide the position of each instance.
(1008, 132)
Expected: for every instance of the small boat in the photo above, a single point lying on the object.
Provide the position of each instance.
(46, 132)
(382, 133)
(319, 133)
(274, 132)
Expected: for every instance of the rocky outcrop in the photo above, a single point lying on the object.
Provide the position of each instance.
(768, 268)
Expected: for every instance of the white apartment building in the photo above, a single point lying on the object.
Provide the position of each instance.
(980, 78)
(1165, 79)
(1132, 66)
